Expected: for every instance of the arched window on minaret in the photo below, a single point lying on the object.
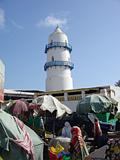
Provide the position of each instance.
(52, 58)
(51, 42)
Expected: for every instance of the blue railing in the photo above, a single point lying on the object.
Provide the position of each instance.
(59, 63)
(58, 44)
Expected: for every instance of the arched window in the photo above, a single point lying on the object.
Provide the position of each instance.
(52, 58)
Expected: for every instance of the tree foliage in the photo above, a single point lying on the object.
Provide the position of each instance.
(117, 83)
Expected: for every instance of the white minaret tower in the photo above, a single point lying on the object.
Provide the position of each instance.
(58, 65)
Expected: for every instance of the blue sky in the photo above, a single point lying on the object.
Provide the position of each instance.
(93, 29)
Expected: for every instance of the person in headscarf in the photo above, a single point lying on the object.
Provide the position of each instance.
(66, 131)
(78, 147)
(97, 132)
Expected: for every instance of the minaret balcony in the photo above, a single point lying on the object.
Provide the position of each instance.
(58, 44)
(59, 63)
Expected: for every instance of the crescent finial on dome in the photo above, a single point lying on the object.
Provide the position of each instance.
(58, 29)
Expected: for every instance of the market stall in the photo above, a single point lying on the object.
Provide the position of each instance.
(17, 141)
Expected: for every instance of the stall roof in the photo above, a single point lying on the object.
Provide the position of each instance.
(9, 91)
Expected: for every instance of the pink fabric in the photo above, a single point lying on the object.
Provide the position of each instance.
(26, 143)
(19, 107)
(33, 106)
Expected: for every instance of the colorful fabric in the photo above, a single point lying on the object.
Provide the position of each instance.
(59, 148)
(113, 150)
(26, 143)
(52, 156)
(56, 150)
(78, 146)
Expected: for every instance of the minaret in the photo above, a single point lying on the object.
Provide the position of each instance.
(58, 65)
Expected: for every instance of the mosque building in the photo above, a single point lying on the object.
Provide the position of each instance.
(58, 65)
(59, 81)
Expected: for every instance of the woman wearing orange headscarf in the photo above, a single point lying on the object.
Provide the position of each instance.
(78, 147)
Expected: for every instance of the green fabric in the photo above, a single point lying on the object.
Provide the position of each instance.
(30, 121)
(38, 144)
(15, 153)
(37, 122)
(104, 117)
(66, 158)
(9, 129)
(95, 103)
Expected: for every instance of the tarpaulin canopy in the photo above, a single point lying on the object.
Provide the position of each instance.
(16, 107)
(51, 104)
(95, 103)
(11, 136)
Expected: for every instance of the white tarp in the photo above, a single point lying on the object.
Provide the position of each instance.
(50, 103)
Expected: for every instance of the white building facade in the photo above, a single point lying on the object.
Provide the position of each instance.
(58, 65)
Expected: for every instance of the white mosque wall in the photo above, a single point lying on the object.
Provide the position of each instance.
(57, 37)
(59, 82)
(59, 72)
(59, 54)
(59, 78)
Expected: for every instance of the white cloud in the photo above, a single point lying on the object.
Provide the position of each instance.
(16, 25)
(2, 18)
(52, 21)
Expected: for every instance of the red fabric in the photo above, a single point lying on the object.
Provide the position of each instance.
(26, 143)
(77, 136)
(52, 156)
(98, 131)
